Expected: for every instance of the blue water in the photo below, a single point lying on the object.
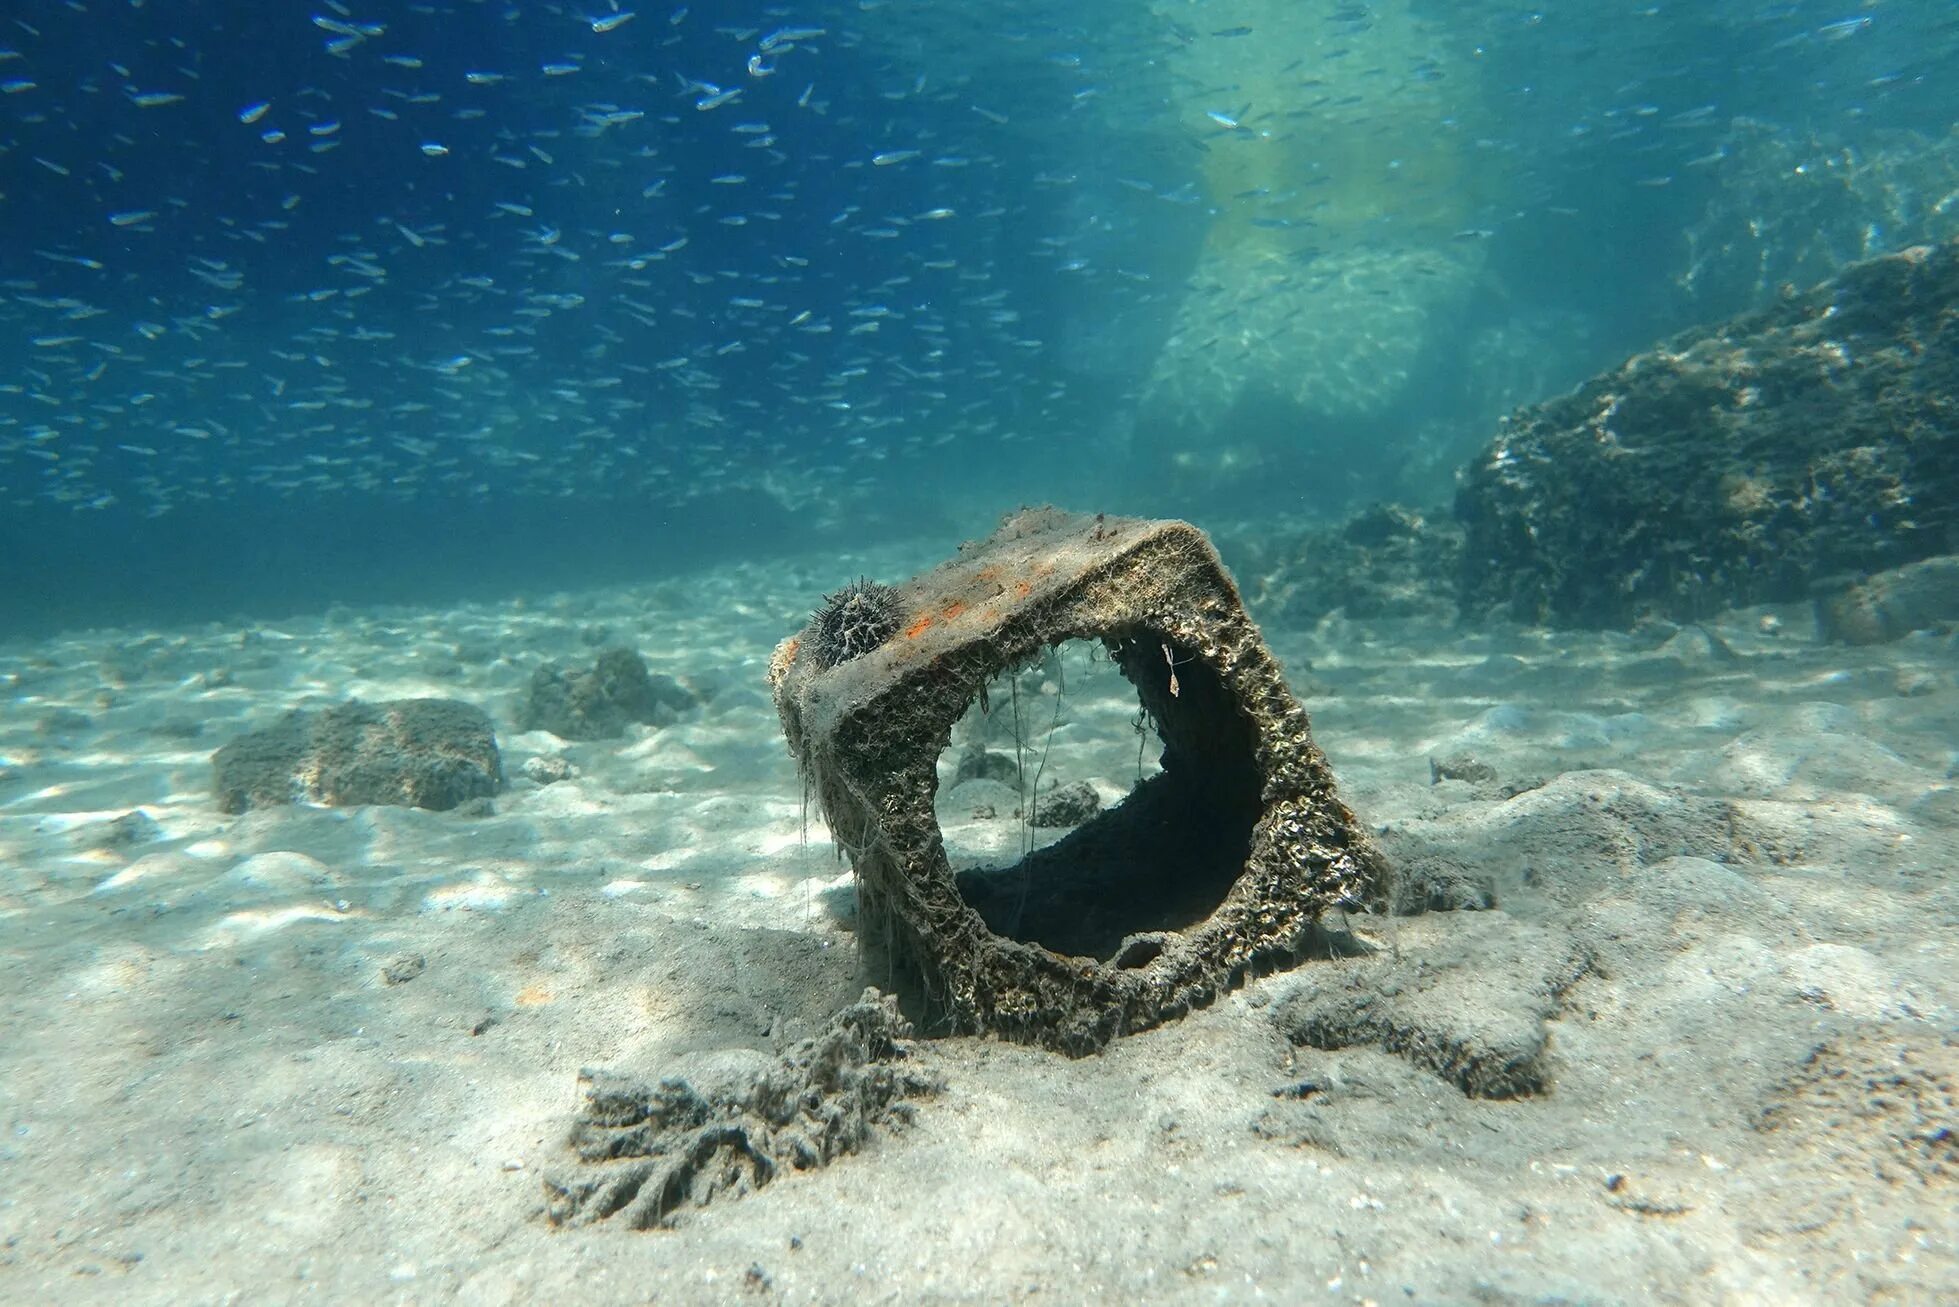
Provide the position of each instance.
(343, 301)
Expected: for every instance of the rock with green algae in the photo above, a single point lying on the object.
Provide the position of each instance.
(1734, 464)
(600, 701)
(418, 753)
(1891, 604)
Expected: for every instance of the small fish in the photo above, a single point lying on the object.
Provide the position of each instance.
(890, 157)
(1233, 31)
(360, 31)
(251, 113)
(787, 36)
(611, 22)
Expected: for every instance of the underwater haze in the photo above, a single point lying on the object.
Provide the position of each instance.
(326, 302)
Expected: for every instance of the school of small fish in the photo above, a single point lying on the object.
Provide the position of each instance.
(482, 247)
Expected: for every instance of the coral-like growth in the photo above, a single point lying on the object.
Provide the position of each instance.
(854, 621)
(650, 1152)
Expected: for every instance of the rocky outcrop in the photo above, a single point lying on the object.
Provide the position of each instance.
(1734, 464)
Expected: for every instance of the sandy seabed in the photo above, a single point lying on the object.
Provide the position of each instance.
(331, 1054)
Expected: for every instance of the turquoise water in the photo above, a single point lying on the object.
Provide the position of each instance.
(417, 300)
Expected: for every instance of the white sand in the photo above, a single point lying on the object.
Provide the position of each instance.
(210, 1093)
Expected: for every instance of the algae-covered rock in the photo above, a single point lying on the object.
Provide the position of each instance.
(419, 753)
(1066, 805)
(1891, 605)
(599, 702)
(1734, 464)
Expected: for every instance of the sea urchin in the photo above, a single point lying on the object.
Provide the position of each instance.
(854, 621)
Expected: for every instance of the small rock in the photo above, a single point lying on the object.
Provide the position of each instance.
(404, 968)
(548, 769)
(1890, 605)
(1460, 766)
(133, 827)
(985, 764)
(1067, 805)
(1696, 645)
(598, 703)
(1913, 684)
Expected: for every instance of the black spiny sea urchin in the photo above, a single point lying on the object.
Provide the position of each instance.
(856, 620)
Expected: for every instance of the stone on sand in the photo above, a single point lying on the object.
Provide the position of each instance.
(599, 702)
(419, 753)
